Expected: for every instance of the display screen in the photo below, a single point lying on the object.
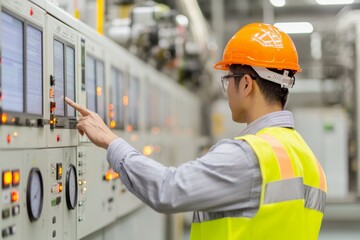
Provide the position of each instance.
(59, 77)
(90, 83)
(114, 98)
(100, 98)
(34, 91)
(117, 92)
(133, 102)
(70, 78)
(12, 74)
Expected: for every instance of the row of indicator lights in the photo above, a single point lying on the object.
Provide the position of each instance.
(10, 178)
(9, 137)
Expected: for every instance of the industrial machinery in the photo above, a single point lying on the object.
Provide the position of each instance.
(55, 183)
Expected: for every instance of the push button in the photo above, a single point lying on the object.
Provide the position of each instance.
(5, 213)
(15, 210)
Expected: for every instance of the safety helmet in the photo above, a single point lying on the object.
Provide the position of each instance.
(262, 46)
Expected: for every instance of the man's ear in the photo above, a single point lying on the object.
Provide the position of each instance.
(248, 84)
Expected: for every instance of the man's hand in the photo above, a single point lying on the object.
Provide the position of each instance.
(93, 126)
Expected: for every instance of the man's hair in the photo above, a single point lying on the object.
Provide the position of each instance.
(272, 92)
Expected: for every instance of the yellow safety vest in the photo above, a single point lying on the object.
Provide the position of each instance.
(292, 199)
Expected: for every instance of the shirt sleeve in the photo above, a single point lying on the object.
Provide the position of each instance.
(222, 177)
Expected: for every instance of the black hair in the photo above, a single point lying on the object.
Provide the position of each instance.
(273, 92)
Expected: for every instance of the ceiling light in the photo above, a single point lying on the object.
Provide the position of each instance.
(334, 2)
(278, 3)
(295, 27)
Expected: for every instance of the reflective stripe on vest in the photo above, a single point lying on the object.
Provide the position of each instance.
(279, 191)
(290, 188)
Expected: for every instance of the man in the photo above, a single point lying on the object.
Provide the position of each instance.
(265, 184)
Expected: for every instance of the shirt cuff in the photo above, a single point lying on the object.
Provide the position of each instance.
(117, 151)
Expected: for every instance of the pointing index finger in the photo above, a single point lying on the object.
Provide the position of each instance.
(83, 111)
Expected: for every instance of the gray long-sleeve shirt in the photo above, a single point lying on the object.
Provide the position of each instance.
(226, 178)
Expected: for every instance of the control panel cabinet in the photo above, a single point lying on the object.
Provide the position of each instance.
(22, 118)
(96, 205)
(60, 79)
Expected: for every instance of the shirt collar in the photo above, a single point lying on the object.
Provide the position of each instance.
(275, 119)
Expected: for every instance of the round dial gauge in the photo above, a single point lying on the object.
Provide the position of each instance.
(71, 187)
(34, 194)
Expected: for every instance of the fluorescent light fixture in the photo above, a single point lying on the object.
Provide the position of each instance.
(278, 3)
(334, 2)
(295, 27)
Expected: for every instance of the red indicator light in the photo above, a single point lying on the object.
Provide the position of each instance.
(8, 138)
(31, 12)
(14, 196)
(7, 179)
(58, 138)
(15, 177)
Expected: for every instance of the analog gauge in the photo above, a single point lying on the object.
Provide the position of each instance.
(71, 187)
(34, 194)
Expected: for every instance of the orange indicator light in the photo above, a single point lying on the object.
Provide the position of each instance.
(111, 106)
(14, 196)
(8, 138)
(129, 128)
(4, 118)
(125, 100)
(110, 175)
(13, 120)
(112, 124)
(15, 177)
(60, 187)
(7, 179)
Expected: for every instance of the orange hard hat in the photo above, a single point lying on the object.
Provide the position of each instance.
(261, 45)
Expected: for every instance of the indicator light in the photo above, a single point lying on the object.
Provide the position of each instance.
(58, 138)
(6, 179)
(111, 114)
(112, 124)
(15, 134)
(111, 106)
(60, 187)
(13, 120)
(98, 91)
(14, 196)
(59, 171)
(52, 106)
(51, 93)
(8, 138)
(129, 128)
(4, 118)
(31, 12)
(15, 177)
(125, 100)
(148, 150)
(110, 175)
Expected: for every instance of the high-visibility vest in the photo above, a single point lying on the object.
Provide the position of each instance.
(292, 199)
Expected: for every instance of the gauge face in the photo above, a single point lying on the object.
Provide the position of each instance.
(71, 187)
(34, 194)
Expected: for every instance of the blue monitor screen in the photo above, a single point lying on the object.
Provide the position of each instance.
(34, 91)
(70, 78)
(100, 86)
(90, 83)
(59, 77)
(12, 74)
